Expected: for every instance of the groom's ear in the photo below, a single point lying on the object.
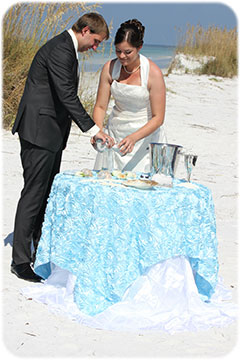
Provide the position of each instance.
(85, 30)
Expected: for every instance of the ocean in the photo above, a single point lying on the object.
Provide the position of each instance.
(162, 55)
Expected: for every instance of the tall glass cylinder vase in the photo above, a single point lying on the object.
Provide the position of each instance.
(164, 158)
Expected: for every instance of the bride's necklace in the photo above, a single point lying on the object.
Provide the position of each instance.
(131, 72)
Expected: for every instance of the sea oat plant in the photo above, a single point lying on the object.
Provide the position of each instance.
(25, 27)
(213, 42)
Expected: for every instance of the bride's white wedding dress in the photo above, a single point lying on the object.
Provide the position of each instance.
(131, 111)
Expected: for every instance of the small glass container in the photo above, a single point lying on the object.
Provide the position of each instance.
(100, 146)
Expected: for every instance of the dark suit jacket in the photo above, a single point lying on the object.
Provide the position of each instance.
(50, 100)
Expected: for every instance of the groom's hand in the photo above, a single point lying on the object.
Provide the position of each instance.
(104, 137)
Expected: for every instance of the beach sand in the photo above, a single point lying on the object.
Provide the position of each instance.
(201, 115)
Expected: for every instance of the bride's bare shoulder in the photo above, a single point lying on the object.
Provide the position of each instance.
(107, 69)
(109, 65)
(155, 69)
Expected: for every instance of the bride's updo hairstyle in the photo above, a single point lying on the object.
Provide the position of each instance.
(131, 31)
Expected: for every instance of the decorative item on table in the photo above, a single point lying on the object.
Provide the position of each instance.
(164, 160)
(104, 174)
(187, 161)
(141, 184)
(84, 173)
(144, 176)
(118, 174)
(107, 154)
(162, 180)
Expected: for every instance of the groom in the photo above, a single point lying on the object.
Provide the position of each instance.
(48, 105)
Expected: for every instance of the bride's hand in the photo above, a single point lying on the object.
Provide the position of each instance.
(127, 144)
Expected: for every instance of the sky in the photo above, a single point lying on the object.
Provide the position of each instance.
(162, 20)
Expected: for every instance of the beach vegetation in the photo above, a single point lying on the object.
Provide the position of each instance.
(219, 44)
(168, 90)
(25, 28)
(215, 79)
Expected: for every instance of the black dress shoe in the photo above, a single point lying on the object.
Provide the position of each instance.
(25, 272)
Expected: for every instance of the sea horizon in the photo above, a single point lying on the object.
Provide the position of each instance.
(162, 55)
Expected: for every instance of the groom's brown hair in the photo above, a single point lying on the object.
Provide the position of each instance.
(94, 21)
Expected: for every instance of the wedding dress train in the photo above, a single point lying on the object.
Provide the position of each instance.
(165, 298)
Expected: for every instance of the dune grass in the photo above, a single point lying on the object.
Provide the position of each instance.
(25, 27)
(213, 41)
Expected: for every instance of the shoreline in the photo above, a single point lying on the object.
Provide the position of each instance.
(89, 80)
(201, 115)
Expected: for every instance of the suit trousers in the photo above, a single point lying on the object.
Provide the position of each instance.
(39, 169)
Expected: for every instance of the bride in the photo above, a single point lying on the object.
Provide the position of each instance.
(137, 86)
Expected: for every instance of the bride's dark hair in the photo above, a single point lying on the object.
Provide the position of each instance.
(131, 31)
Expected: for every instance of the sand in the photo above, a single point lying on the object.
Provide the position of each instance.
(201, 115)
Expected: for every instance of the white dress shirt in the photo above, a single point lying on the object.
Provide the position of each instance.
(95, 129)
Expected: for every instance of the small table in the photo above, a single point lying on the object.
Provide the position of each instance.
(107, 235)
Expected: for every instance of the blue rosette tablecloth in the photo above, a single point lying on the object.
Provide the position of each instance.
(107, 235)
